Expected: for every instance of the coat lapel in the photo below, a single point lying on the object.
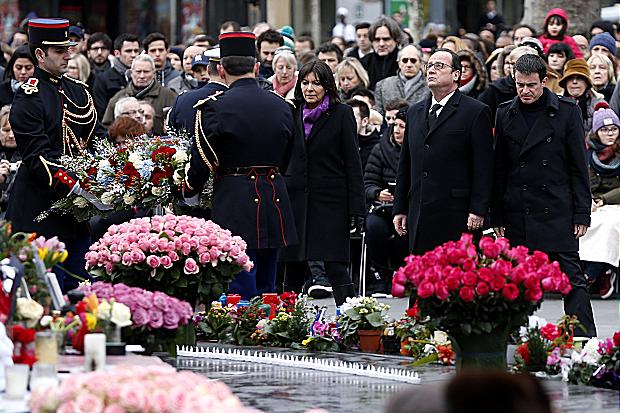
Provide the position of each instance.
(446, 112)
(542, 128)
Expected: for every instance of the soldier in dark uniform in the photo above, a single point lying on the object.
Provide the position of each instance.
(244, 136)
(182, 115)
(52, 115)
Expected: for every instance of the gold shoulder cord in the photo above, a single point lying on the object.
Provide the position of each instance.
(89, 118)
(198, 133)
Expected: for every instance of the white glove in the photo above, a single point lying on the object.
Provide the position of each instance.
(192, 201)
(89, 197)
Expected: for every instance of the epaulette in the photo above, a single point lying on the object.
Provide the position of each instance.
(289, 101)
(211, 97)
(79, 82)
(183, 91)
(30, 86)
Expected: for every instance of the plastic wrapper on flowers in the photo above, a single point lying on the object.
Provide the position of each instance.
(144, 172)
(186, 257)
(137, 389)
(476, 289)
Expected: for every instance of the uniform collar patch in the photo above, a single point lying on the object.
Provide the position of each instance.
(30, 86)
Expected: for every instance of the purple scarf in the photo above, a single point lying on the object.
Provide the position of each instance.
(310, 116)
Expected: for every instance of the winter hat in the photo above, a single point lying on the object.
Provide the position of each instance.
(288, 34)
(576, 67)
(604, 39)
(603, 116)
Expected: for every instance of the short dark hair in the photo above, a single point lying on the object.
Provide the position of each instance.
(125, 37)
(238, 65)
(205, 38)
(390, 24)
(396, 103)
(99, 37)
(306, 39)
(364, 93)
(22, 52)
(153, 37)
(531, 63)
(361, 105)
(402, 114)
(362, 25)
(324, 75)
(560, 47)
(456, 60)
(235, 25)
(269, 36)
(330, 48)
(212, 67)
(33, 47)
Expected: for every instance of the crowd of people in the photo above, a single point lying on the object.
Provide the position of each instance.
(389, 127)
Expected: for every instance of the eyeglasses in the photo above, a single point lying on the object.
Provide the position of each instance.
(465, 68)
(437, 65)
(609, 129)
(99, 49)
(406, 60)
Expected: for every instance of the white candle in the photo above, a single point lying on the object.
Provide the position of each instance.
(16, 381)
(94, 352)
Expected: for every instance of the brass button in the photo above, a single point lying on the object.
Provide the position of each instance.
(252, 177)
(256, 200)
(277, 199)
(549, 139)
(272, 176)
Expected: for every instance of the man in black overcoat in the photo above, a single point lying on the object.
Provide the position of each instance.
(52, 115)
(445, 171)
(244, 137)
(541, 194)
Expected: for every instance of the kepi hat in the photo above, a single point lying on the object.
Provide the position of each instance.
(49, 32)
(237, 44)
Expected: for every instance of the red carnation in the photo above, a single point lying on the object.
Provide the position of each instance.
(467, 294)
(510, 292)
(524, 351)
(413, 311)
(550, 332)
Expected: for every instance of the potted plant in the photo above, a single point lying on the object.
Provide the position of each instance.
(479, 294)
(362, 320)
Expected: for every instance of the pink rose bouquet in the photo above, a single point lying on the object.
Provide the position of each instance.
(158, 389)
(150, 310)
(187, 257)
(475, 289)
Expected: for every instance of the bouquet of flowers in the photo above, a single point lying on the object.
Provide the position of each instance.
(215, 324)
(51, 251)
(186, 257)
(418, 340)
(361, 313)
(324, 336)
(246, 329)
(291, 324)
(476, 289)
(136, 389)
(145, 171)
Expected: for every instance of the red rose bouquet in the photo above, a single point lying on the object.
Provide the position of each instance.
(476, 289)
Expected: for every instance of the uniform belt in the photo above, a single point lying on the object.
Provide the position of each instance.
(248, 170)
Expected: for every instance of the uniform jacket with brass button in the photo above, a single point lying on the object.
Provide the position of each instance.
(50, 117)
(541, 187)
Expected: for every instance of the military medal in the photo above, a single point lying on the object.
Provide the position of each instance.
(30, 86)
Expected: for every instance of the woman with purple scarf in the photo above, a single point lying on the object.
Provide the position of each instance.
(324, 182)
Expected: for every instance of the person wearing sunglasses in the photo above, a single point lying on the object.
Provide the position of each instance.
(409, 83)
(445, 171)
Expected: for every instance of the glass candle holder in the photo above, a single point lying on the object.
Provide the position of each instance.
(94, 352)
(16, 377)
(43, 375)
(46, 347)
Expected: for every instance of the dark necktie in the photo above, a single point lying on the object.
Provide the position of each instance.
(432, 115)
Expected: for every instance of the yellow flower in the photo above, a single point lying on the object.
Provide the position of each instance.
(306, 341)
(91, 321)
(64, 255)
(43, 253)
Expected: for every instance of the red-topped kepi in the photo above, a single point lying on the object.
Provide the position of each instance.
(49, 32)
(237, 44)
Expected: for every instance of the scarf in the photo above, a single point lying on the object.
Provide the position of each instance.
(468, 87)
(15, 85)
(282, 90)
(603, 158)
(140, 93)
(408, 84)
(310, 116)
(119, 66)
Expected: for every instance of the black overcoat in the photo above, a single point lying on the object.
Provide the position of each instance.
(325, 184)
(446, 172)
(541, 176)
(247, 129)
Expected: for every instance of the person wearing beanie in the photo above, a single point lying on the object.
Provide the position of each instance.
(604, 43)
(578, 85)
(604, 170)
(555, 29)
(601, 26)
(288, 34)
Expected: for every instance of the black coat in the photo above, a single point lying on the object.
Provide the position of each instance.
(366, 143)
(6, 93)
(541, 176)
(183, 113)
(382, 167)
(380, 67)
(36, 119)
(246, 127)
(499, 91)
(106, 85)
(325, 183)
(446, 173)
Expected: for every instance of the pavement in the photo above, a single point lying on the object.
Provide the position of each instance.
(606, 312)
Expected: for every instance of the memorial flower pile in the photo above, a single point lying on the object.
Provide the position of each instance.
(475, 289)
(136, 389)
(361, 313)
(186, 257)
